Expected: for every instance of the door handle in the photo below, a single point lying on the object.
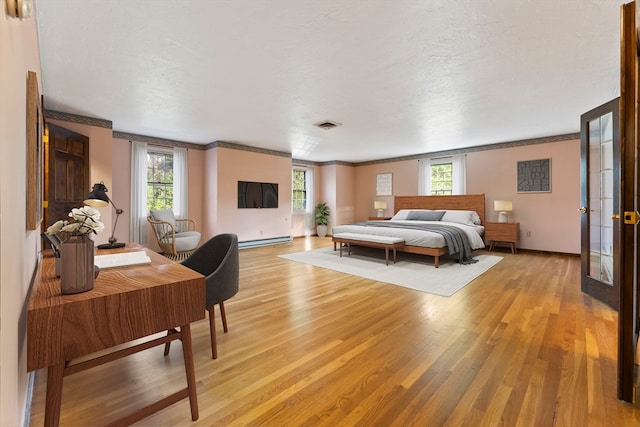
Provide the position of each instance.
(631, 217)
(583, 210)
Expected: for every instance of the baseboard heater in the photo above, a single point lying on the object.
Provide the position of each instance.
(264, 242)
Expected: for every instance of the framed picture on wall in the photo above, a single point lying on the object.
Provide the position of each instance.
(35, 129)
(534, 176)
(384, 184)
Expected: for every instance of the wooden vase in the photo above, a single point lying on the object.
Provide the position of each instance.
(77, 265)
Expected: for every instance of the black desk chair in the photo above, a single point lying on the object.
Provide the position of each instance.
(217, 260)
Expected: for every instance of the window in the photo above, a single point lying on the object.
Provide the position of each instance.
(159, 180)
(442, 178)
(443, 175)
(299, 190)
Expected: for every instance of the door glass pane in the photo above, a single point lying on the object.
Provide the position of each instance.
(601, 199)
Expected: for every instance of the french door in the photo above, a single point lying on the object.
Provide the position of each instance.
(600, 201)
(609, 187)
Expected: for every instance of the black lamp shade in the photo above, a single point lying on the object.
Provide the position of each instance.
(97, 196)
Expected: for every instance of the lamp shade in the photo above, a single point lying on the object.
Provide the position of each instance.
(97, 196)
(379, 204)
(502, 205)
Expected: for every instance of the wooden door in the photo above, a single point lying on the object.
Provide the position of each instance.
(629, 298)
(67, 181)
(600, 199)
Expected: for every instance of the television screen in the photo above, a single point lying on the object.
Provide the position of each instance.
(257, 195)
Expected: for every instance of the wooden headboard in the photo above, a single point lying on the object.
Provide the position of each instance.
(468, 202)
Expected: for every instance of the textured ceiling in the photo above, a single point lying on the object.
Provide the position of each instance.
(403, 77)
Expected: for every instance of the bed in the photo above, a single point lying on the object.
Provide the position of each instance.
(458, 209)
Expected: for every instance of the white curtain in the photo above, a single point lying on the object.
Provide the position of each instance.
(309, 220)
(424, 172)
(458, 170)
(180, 183)
(138, 217)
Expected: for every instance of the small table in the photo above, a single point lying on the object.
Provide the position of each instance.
(126, 303)
(502, 232)
(380, 218)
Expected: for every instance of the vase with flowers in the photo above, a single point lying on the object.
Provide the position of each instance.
(77, 269)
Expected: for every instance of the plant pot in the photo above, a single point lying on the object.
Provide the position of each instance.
(77, 270)
(321, 230)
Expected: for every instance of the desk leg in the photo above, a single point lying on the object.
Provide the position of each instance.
(55, 373)
(187, 352)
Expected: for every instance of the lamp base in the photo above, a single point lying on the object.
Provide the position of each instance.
(502, 217)
(380, 213)
(114, 245)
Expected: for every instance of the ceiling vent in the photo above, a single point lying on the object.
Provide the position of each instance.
(327, 124)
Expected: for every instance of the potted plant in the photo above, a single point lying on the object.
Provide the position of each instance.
(322, 219)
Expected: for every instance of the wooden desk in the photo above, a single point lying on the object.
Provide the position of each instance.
(127, 303)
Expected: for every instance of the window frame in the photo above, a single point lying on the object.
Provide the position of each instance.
(306, 189)
(436, 163)
(151, 186)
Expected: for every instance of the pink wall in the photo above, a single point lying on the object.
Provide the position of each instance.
(405, 182)
(551, 219)
(121, 191)
(225, 167)
(344, 211)
(19, 247)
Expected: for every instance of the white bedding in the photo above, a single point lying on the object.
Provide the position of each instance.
(417, 237)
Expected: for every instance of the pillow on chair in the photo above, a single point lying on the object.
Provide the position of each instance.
(165, 215)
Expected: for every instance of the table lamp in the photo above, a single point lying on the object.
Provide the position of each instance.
(380, 206)
(98, 197)
(502, 206)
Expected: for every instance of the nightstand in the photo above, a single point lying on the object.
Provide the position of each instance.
(379, 218)
(501, 232)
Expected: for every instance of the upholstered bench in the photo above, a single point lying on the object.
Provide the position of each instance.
(369, 241)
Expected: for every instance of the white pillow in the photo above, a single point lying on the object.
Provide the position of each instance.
(462, 217)
(165, 215)
(475, 218)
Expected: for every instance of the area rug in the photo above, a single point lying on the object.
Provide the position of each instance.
(410, 271)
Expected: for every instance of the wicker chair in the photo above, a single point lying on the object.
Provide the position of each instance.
(176, 237)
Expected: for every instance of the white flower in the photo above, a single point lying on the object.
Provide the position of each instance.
(57, 227)
(84, 213)
(85, 220)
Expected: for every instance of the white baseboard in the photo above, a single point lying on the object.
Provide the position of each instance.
(264, 242)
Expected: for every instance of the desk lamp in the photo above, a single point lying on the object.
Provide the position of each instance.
(98, 198)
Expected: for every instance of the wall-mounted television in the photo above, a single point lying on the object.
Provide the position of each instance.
(257, 195)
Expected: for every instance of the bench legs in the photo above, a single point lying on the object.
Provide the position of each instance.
(386, 251)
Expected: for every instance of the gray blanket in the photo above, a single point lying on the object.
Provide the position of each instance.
(457, 241)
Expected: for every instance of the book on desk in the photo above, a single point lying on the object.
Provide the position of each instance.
(121, 259)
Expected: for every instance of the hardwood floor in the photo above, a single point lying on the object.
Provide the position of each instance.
(519, 346)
